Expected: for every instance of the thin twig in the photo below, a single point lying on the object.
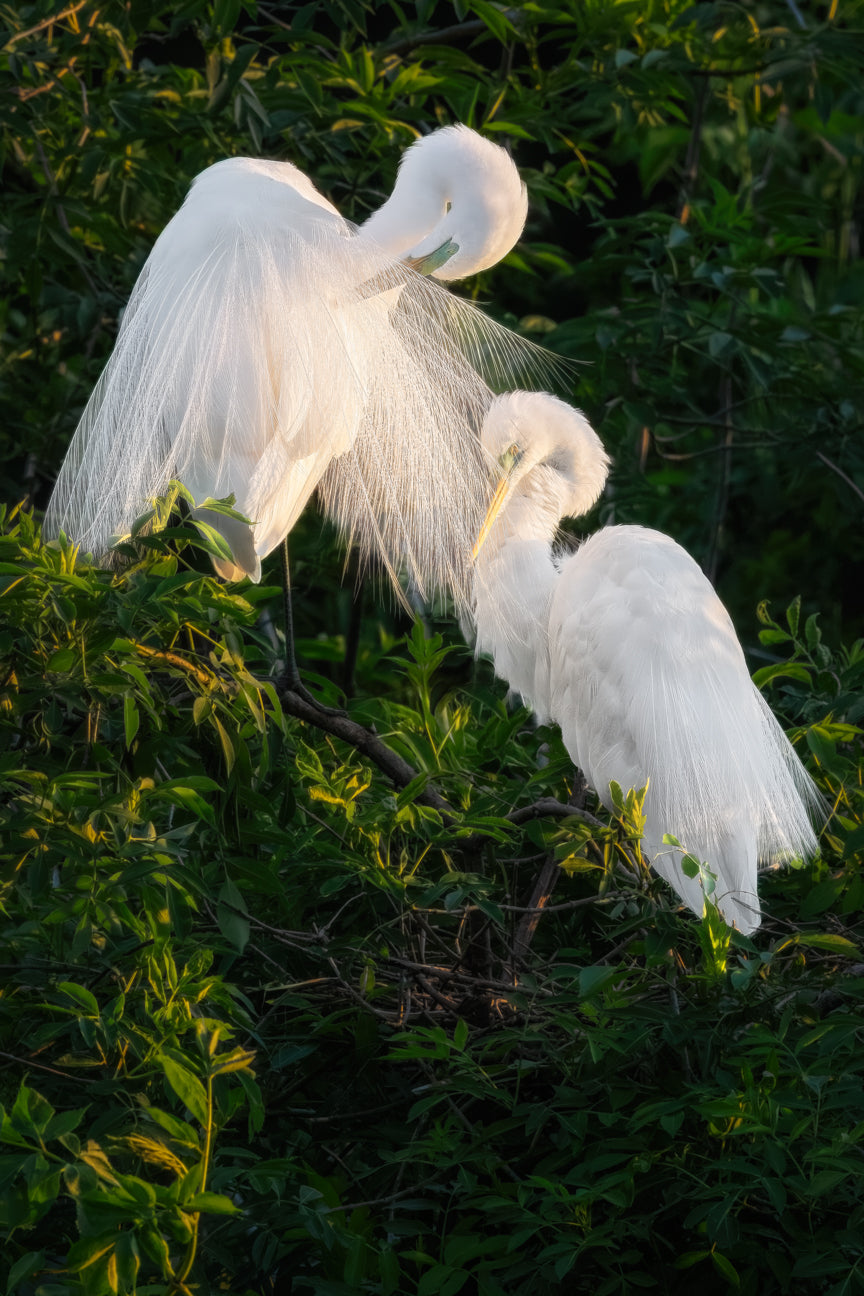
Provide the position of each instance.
(28, 1062)
(544, 885)
(294, 939)
(60, 209)
(542, 808)
(443, 35)
(721, 500)
(358, 998)
(567, 904)
(726, 72)
(271, 17)
(379, 1201)
(46, 22)
(449, 974)
(691, 162)
(439, 998)
(840, 473)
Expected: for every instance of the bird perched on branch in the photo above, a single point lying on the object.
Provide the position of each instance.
(625, 645)
(270, 347)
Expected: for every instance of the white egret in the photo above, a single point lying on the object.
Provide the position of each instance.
(625, 645)
(269, 346)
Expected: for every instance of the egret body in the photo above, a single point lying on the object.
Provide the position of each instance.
(625, 645)
(270, 347)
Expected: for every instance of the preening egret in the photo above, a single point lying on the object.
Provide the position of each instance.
(269, 347)
(625, 645)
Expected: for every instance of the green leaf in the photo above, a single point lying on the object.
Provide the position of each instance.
(718, 343)
(180, 794)
(791, 670)
(823, 745)
(227, 744)
(793, 615)
(726, 1268)
(212, 1204)
(231, 914)
(31, 1112)
(774, 635)
(818, 940)
(83, 998)
(182, 1133)
(689, 1258)
(186, 1086)
(594, 979)
(202, 708)
(131, 718)
(623, 57)
(24, 1267)
(64, 1122)
(127, 1259)
(62, 661)
(441, 1280)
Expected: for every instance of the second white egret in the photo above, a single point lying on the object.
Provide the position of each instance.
(625, 645)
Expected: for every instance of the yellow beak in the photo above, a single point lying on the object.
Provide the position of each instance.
(502, 490)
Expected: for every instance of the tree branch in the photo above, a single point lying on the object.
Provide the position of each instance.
(444, 35)
(368, 744)
(549, 808)
(840, 473)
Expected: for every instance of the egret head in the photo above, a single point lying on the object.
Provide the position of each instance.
(542, 446)
(457, 207)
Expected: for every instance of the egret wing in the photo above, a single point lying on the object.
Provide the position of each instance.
(650, 685)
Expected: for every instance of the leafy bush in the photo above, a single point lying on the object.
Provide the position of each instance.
(282, 1020)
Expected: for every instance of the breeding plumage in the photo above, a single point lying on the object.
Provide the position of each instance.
(626, 646)
(269, 346)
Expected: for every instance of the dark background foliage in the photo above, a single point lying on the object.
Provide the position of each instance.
(271, 1021)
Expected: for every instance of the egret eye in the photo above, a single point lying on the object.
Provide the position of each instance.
(510, 458)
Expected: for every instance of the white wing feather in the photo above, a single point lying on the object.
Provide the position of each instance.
(626, 646)
(266, 339)
(650, 685)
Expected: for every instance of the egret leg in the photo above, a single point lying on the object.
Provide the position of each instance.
(291, 674)
(352, 642)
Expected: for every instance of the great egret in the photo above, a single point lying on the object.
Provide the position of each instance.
(626, 646)
(269, 346)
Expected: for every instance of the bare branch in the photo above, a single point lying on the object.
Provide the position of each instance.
(368, 743)
(544, 885)
(444, 35)
(46, 22)
(840, 473)
(40, 1066)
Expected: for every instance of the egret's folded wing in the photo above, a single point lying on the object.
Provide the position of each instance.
(649, 685)
(231, 331)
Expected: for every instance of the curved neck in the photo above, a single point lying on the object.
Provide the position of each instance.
(514, 580)
(452, 187)
(407, 216)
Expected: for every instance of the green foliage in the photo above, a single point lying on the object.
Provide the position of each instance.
(270, 1021)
